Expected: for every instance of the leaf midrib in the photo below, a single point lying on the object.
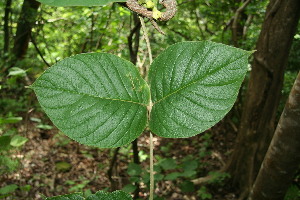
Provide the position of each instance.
(89, 95)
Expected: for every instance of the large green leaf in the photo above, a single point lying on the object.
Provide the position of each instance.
(193, 86)
(96, 99)
(78, 2)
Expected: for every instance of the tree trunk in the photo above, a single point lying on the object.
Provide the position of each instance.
(26, 21)
(6, 26)
(283, 158)
(263, 95)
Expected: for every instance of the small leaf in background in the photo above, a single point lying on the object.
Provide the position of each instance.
(190, 165)
(129, 188)
(10, 120)
(168, 164)
(18, 141)
(34, 119)
(25, 188)
(116, 195)
(187, 186)
(188, 173)
(158, 177)
(8, 189)
(44, 127)
(146, 177)
(97, 99)
(79, 186)
(134, 179)
(7, 164)
(157, 168)
(78, 2)
(203, 194)
(172, 176)
(15, 71)
(75, 196)
(193, 86)
(143, 156)
(134, 169)
(63, 166)
(4, 143)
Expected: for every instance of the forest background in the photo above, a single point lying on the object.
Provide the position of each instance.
(37, 160)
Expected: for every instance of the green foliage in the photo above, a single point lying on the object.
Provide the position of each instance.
(293, 193)
(129, 188)
(167, 164)
(101, 99)
(95, 99)
(203, 194)
(78, 2)
(63, 166)
(187, 186)
(10, 140)
(17, 141)
(134, 169)
(8, 189)
(188, 83)
(10, 120)
(218, 177)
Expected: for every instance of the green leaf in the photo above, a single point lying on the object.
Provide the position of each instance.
(4, 143)
(78, 2)
(10, 120)
(96, 99)
(168, 164)
(44, 126)
(129, 188)
(18, 141)
(16, 71)
(8, 189)
(187, 186)
(172, 176)
(193, 86)
(134, 169)
(116, 195)
(63, 166)
(190, 165)
(75, 196)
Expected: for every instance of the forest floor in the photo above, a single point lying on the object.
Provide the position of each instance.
(51, 164)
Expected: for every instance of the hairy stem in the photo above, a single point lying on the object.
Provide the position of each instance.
(149, 111)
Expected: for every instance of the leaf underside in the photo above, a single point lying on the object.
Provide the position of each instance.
(193, 86)
(96, 99)
(78, 2)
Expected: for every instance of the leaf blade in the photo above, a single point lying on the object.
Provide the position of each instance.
(188, 81)
(96, 99)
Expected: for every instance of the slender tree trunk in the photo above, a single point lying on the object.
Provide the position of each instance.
(282, 159)
(6, 26)
(238, 22)
(263, 95)
(26, 22)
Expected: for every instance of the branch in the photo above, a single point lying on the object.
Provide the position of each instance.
(38, 51)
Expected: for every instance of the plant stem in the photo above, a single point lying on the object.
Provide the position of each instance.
(149, 111)
(151, 168)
